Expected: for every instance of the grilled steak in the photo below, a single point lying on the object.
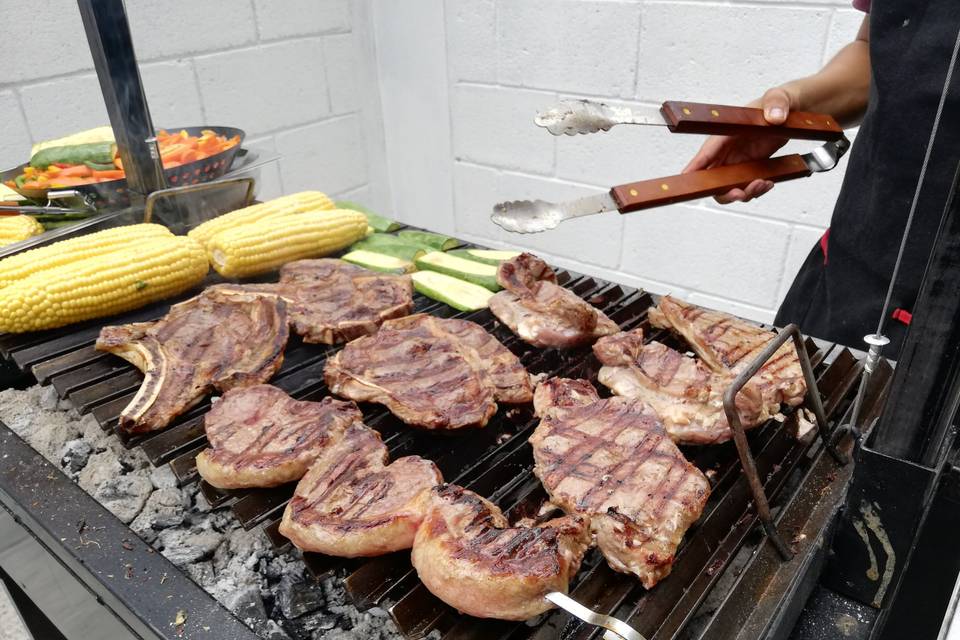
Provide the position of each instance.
(540, 311)
(261, 437)
(431, 372)
(331, 301)
(611, 460)
(684, 392)
(468, 556)
(727, 343)
(352, 503)
(202, 344)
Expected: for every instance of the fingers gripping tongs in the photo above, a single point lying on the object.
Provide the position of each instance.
(583, 116)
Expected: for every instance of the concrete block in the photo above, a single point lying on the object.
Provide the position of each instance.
(360, 195)
(472, 40)
(265, 88)
(843, 30)
(723, 53)
(329, 156)
(475, 191)
(725, 254)
(284, 18)
(269, 182)
(172, 94)
(750, 312)
(569, 45)
(341, 62)
(51, 115)
(15, 143)
(802, 241)
(178, 27)
(42, 39)
(494, 126)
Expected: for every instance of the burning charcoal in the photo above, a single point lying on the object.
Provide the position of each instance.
(202, 573)
(182, 546)
(311, 625)
(74, 455)
(273, 631)
(247, 605)
(162, 477)
(164, 508)
(298, 597)
(49, 399)
(101, 467)
(124, 496)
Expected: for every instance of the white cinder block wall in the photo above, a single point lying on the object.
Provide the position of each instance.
(499, 61)
(296, 75)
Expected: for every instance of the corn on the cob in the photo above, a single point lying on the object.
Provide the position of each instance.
(17, 228)
(102, 285)
(21, 265)
(284, 205)
(266, 245)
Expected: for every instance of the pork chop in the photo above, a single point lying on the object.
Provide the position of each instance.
(261, 437)
(729, 344)
(611, 460)
(201, 345)
(353, 503)
(431, 372)
(331, 301)
(540, 311)
(469, 556)
(684, 392)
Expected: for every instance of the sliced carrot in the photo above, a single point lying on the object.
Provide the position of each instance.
(76, 171)
(114, 174)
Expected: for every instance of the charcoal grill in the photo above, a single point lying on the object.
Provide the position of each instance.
(495, 461)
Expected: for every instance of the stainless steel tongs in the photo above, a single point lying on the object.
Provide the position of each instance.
(616, 629)
(583, 116)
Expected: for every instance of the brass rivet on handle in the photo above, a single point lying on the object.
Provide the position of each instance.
(665, 186)
(686, 111)
(714, 113)
(633, 192)
(809, 121)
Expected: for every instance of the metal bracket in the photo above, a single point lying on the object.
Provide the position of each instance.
(791, 331)
(172, 192)
(616, 629)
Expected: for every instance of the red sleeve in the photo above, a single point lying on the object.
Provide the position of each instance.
(863, 5)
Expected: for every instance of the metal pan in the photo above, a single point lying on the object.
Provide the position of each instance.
(113, 194)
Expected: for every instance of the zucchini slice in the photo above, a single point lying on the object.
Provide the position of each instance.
(379, 262)
(484, 275)
(396, 249)
(375, 220)
(459, 294)
(486, 256)
(435, 240)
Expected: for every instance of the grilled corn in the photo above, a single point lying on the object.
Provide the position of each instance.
(284, 205)
(263, 246)
(17, 228)
(21, 265)
(101, 285)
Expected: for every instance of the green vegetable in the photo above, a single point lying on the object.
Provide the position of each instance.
(484, 275)
(387, 239)
(96, 166)
(435, 240)
(376, 221)
(486, 256)
(457, 293)
(398, 249)
(98, 152)
(379, 262)
(19, 180)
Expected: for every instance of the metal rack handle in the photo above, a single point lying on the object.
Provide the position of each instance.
(616, 629)
(791, 331)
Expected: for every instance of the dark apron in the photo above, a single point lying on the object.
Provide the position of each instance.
(839, 292)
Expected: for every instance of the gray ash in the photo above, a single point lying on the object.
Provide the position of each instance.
(271, 592)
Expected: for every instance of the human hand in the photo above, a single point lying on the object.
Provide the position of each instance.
(721, 150)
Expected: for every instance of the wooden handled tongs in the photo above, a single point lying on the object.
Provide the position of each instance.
(583, 116)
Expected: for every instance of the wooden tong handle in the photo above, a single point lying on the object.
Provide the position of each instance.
(694, 117)
(706, 182)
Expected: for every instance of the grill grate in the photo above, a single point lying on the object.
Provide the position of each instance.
(495, 462)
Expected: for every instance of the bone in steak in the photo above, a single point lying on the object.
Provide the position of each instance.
(540, 311)
(727, 343)
(261, 437)
(352, 503)
(468, 555)
(212, 341)
(431, 372)
(684, 392)
(611, 460)
(331, 301)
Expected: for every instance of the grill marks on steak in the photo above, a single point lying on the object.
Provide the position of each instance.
(540, 311)
(353, 502)
(330, 301)
(201, 345)
(431, 372)
(611, 460)
(468, 555)
(261, 437)
(685, 393)
(729, 344)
